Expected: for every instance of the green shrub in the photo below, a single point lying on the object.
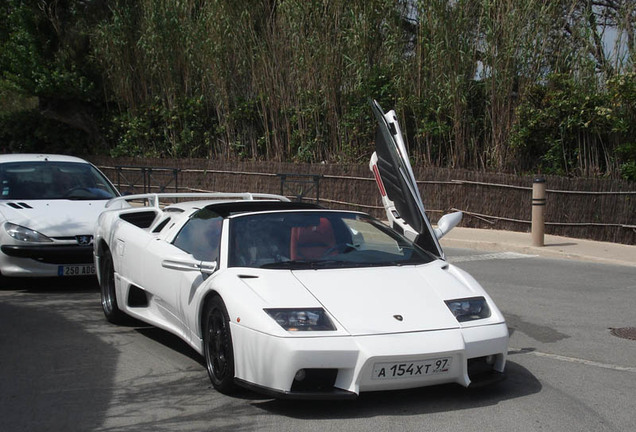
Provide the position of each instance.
(29, 132)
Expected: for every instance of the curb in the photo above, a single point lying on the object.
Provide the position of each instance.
(555, 246)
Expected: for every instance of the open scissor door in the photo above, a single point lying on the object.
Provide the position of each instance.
(394, 176)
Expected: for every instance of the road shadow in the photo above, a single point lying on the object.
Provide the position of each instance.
(169, 340)
(541, 333)
(176, 344)
(427, 400)
(60, 284)
(51, 370)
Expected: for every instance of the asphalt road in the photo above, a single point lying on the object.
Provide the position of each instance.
(63, 367)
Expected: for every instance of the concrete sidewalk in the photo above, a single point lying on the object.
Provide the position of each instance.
(555, 246)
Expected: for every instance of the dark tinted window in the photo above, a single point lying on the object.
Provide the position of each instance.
(201, 235)
(53, 180)
(317, 239)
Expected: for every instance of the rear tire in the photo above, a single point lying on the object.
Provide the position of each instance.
(107, 287)
(217, 346)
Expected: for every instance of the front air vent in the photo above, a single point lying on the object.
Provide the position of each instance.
(159, 227)
(19, 206)
(314, 380)
(137, 297)
(142, 219)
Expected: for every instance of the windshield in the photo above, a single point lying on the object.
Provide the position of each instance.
(318, 239)
(52, 181)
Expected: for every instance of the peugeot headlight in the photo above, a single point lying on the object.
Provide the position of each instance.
(313, 319)
(469, 309)
(25, 234)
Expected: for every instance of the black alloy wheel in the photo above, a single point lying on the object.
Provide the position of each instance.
(217, 340)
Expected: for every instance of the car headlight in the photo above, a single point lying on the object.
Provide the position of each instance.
(469, 309)
(313, 319)
(25, 234)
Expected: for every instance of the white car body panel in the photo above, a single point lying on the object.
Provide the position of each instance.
(283, 289)
(55, 218)
(138, 256)
(273, 362)
(364, 306)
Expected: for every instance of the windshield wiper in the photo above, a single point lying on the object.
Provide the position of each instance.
(342, 264)
(84, 198)
(291, 264)
(323, 264)
(329, 263)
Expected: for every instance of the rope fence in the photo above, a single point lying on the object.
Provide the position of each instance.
(506, 205)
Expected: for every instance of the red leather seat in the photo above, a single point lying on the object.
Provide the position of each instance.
(312, 242)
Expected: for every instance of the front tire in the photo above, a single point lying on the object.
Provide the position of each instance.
(217, 346)
(107, 287)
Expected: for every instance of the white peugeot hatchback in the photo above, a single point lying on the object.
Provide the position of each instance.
(48, 208)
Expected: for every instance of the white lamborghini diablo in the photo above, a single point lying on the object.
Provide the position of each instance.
(294, 300)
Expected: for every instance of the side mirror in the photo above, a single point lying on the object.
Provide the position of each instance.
(447, 223)
(188, 264)
(356, 237)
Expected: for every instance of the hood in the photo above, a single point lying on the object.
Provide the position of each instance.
(54, 218)
(368, 301)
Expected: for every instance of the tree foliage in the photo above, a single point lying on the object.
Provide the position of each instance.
(489, 84)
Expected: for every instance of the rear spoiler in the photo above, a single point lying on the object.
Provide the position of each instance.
(153, 199)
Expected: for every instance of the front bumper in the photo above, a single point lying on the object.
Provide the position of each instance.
(346, 363)
(26, 261)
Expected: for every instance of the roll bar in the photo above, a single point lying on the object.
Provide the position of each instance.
(154, 198)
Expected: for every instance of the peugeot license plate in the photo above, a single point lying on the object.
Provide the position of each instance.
(76, 270)
(411, 369)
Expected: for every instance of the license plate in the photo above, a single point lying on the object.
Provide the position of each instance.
(414, 369)
(76, 270)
